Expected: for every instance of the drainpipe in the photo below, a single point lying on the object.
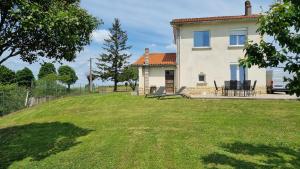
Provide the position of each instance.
(146, 75)
(178, 57)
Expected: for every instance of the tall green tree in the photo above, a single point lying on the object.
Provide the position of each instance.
(7, 76)
(130, 75)
(283, 24)
(67, 75)
(53, 29)
(114, 59)
(25, 77)
(46, 69)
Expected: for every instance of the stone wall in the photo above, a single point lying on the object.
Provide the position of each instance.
(206, 91)
(141, 91)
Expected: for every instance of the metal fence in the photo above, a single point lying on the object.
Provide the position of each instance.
(13, 98)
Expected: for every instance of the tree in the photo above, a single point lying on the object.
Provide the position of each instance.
(130, 75)
(7, 76)
(114, 59)
(24, 77)
(282, 23)
(53, 29)
(67, 75)
(46, 69)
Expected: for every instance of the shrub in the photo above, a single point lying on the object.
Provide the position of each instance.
(12, 98)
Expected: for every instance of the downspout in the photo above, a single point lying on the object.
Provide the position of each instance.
(177, 41)
(179, 58)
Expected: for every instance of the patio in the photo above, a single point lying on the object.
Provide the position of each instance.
(277, 96)
(236, 90)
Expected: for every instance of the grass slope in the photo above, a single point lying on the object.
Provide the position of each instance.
(119, 131)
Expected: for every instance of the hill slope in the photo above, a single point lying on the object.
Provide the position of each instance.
(122, 131)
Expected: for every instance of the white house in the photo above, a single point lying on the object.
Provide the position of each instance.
(208, 50)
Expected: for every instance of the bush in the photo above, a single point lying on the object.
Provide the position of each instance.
(12, 98)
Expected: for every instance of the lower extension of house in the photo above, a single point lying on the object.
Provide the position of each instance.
(207, 50)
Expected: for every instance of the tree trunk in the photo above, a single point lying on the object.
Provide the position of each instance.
(115, 86)
(69, 88)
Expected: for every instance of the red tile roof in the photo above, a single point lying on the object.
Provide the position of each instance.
(156, 59)
(214, 19)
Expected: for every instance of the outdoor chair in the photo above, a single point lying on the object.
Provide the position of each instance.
(217, 89)
(247, 87)
(178, 93)
(226, 88)
(160, 91)
(239, 87)
(253, 92)
(233, 86)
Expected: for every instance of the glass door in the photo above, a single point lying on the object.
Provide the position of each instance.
(238, 72)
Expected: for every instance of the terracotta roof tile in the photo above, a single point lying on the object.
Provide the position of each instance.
(158, 59)
(211, 19)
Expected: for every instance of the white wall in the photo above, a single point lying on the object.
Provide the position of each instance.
(214, 62)
(156, 76)
(141, 77)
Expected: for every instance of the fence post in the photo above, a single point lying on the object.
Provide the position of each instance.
(26, 99)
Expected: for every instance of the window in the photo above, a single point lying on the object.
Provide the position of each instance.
(201, 77)
(238, 37)
(202, 39)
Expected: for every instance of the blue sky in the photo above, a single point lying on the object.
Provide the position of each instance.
(147, 23)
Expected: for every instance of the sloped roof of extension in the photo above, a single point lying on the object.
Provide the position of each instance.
(158, 59)
(214, 19)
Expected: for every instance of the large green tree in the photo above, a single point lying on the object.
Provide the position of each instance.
(7, 76)
(67, 75)
(53, 29)
(25, 77)
(130, 75)
(46, 69)
(114, 59)
(282, 22)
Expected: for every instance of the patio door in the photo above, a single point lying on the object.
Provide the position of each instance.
(169, 81)
(238, 72)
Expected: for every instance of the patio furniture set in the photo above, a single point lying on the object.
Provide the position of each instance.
(230, 88)
(236, 88)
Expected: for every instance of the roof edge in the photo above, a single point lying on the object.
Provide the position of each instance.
(214, 19)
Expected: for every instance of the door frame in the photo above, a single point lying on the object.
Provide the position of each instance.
(172, 76)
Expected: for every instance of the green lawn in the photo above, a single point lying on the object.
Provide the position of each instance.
(117, 131)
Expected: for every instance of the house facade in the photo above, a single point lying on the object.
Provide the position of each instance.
(208, 50)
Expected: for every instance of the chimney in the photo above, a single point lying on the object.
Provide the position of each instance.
(147, 72)
(146, 56)
(248, 8)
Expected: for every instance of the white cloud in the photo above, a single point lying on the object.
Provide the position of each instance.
(153, 45)
(100, 35)
(171, 46)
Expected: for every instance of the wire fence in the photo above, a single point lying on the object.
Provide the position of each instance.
(14, 98)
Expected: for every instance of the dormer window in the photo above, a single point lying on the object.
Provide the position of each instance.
(238, 37)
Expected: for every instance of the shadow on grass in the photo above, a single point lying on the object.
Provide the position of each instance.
(271, 157)
(37, 141)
